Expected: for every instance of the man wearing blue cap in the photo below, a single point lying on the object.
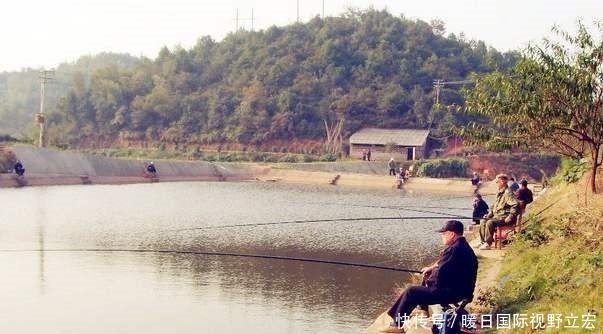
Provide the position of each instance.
(451, 279)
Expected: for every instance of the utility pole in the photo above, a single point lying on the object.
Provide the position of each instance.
(437, 85)
(237, 19)
(323, 9)
(45, 76)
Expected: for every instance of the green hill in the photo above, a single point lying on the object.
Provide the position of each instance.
(275, 88)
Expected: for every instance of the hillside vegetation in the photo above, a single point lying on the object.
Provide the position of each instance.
(553, 271)
(280, 87)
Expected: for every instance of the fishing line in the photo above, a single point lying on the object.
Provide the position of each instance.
(319, 221)
(257, 256)
(408, 208)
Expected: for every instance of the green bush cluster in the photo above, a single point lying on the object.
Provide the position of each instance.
(554, 266)
(572, 170)
(289, 158)
(443, 168)
(215, 156)
(7, 161)
(328, 157)
(535, 236)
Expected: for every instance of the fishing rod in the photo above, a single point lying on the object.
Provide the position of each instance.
(257, 256)
(319, 221)
(395, 207)
(399, 207)
(532, 216)
(468, 196)
(403, 208)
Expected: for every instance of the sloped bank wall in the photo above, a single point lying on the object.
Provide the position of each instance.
(43, 163)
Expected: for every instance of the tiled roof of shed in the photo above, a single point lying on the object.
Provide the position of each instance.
(402, 137)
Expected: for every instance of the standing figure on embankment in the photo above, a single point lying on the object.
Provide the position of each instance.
(392, 166)
(475, 182)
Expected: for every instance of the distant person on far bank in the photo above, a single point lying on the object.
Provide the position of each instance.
(151, 170)
(400, 180)
(475, 181)
(392, 166)
(503, 212)
(18, 168)
(480, 208)
(524, 195)
(368, 155)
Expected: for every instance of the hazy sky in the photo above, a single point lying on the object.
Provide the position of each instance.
(44, 33)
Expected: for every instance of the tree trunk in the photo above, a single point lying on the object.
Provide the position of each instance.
(596, 164)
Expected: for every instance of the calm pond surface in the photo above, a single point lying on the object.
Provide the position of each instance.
(143, 258)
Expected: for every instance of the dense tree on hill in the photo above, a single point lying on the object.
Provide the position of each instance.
(20, 91)
(366, 68)
(552, 99)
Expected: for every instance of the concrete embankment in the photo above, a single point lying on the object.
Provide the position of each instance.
(51, 167)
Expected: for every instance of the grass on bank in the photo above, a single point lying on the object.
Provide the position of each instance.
(196, 153)
(554, 268)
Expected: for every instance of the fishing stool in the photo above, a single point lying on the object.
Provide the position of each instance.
(501, 233)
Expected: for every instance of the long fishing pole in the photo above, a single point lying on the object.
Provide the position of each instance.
(400, 207)
(320, 221)
(258, 256)
(532, 216)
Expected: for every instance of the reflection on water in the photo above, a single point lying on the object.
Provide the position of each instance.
(55, 244)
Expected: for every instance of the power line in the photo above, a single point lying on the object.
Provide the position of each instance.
(237, 19)
(439, 83)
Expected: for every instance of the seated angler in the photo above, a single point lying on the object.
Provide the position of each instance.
(18, 168)
(480, 208)
(503, 212)
(152, 170)
(450, 280)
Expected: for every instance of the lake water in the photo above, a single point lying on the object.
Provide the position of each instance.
(152, 258)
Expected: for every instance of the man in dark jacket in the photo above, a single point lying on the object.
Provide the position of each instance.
(451, 279)
(524, 196)
(480, 208)
(19, 169)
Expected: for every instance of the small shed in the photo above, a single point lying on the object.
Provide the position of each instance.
(403, 144)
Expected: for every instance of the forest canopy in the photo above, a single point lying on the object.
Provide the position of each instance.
(283, 84)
